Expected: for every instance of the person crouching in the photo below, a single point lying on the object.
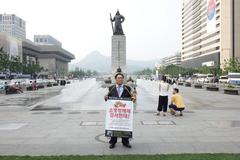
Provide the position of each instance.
(176, 103)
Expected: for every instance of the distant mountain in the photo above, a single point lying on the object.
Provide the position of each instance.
(134, 65)
(102, 64)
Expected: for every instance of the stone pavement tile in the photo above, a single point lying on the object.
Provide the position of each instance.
(183, 133)
(216, 147)
(149, 122)
(213, 139)
(173, 147)
(36, 149)
(42, 141)
(178, 139)
(147, 139)
(84, 149)
(8, 149)
(237, 143)
(137, 148)
(11, 126)
(79, 140)
(60, 149)
(11, 140)
(222, 132)
(32, 133)
(235, 139)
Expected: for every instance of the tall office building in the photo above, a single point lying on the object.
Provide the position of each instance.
(210, 32)
(172, 60)
(46, 40)
(13, 25)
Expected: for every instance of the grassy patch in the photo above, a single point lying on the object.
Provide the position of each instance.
(131, 157)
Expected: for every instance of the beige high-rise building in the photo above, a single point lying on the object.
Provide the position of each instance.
(172, 60)
(204, 46)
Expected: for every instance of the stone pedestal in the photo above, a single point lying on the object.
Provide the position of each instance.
(119, 53)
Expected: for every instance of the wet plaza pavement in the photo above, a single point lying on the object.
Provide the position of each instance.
(70, 120)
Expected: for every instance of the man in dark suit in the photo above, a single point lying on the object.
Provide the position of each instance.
(119, 91)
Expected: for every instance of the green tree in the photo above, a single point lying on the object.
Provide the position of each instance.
(188, 71)
(145, 72)
(80, 73)
(94, 73)
(216, 70)
(204, 70)
(175, 71)
(62, 72)
(15, 64)
(31, 68)
(89, 73)
(232, 65)
(4, 60)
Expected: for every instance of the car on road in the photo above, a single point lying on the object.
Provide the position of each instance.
(189, 80)
(2, 85)
(209, 78)
(234, 78)
(41, 83)
(200, 78)
(223, 79)
(2, 75)
(181, 79)
(204, 78)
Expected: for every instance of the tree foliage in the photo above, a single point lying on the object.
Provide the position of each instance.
(4, 60)
(232, 65)
(175, 71)
(80, 73)
(145, 72)
(13, 64)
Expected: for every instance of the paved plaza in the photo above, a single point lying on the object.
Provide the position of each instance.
(70, 121)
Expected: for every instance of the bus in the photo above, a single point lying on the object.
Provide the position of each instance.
(234, 78)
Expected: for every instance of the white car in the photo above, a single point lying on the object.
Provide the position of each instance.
(201, 80)
(51, 81)
(223, 79)
(41, 83)
(181, 79)
(209, 78)
(189, 80)
(29, 82)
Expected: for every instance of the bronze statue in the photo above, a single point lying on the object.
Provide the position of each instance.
(118, 19)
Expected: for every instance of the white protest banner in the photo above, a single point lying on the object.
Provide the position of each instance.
(119, 118)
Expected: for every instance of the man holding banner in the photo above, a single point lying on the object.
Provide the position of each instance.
(119, 113)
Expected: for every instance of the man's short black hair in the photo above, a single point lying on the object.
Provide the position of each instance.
(119, 73)
(175, 89)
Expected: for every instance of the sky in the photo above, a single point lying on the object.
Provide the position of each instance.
(152, 27)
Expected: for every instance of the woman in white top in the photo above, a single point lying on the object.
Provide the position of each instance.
(163, 96)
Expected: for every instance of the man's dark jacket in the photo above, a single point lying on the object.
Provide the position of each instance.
(114, 94)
